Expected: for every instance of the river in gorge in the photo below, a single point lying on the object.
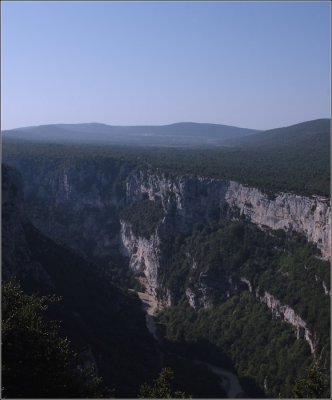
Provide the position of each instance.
(227, 379)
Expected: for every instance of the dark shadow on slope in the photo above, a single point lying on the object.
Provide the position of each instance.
(105, 324)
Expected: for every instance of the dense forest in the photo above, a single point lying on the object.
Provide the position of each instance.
(37, 361)
(144, 216)
(264, 351)
(303, 168)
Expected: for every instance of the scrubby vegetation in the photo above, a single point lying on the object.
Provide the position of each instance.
(161, 387)
(313, 385)
(144, 216)
(265, 352)
(36, 361)
(261, 350)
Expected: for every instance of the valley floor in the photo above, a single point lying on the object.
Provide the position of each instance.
(228, 381)
(150, 306)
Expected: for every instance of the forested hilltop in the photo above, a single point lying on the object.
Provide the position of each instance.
(294, 159)
(187, 134)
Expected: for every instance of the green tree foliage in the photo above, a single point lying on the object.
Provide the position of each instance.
(314, 385)
(36, 361)
(281, 263)
(144, 216)
(161, 387)
(302, 168)
(260, 349)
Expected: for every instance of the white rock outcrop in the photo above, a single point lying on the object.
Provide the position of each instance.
(189, 199)
(143, 255)
(285, 312)
(309, 216)
(247, 282)
(326, 291)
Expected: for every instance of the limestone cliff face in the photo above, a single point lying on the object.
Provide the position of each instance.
(209, 288)
(309, 216)
(200, 296)
(285, 312)
(92, 310)
(188, 200)
(143, 255)
(79, 203)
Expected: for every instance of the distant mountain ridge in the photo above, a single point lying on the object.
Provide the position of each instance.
(178, 134)
(182, 134)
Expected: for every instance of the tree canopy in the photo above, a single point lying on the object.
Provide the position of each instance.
(161, 387)
(36, 361)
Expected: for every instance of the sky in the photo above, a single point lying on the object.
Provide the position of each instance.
(249, 64)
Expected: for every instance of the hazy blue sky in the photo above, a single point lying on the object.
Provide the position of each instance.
(256, 65)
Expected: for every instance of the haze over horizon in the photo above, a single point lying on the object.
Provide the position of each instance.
(250, 65)
(166, 199)
(157, 125)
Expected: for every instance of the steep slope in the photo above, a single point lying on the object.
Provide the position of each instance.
(105, 324)
(97, 189)
(188, 200)
(180, 134)
(205, 246)
(304, 135)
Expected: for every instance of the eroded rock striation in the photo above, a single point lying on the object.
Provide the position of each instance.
(188, 200)
(81, 205)
(309, 216)
(285, 312)
(143, 255)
